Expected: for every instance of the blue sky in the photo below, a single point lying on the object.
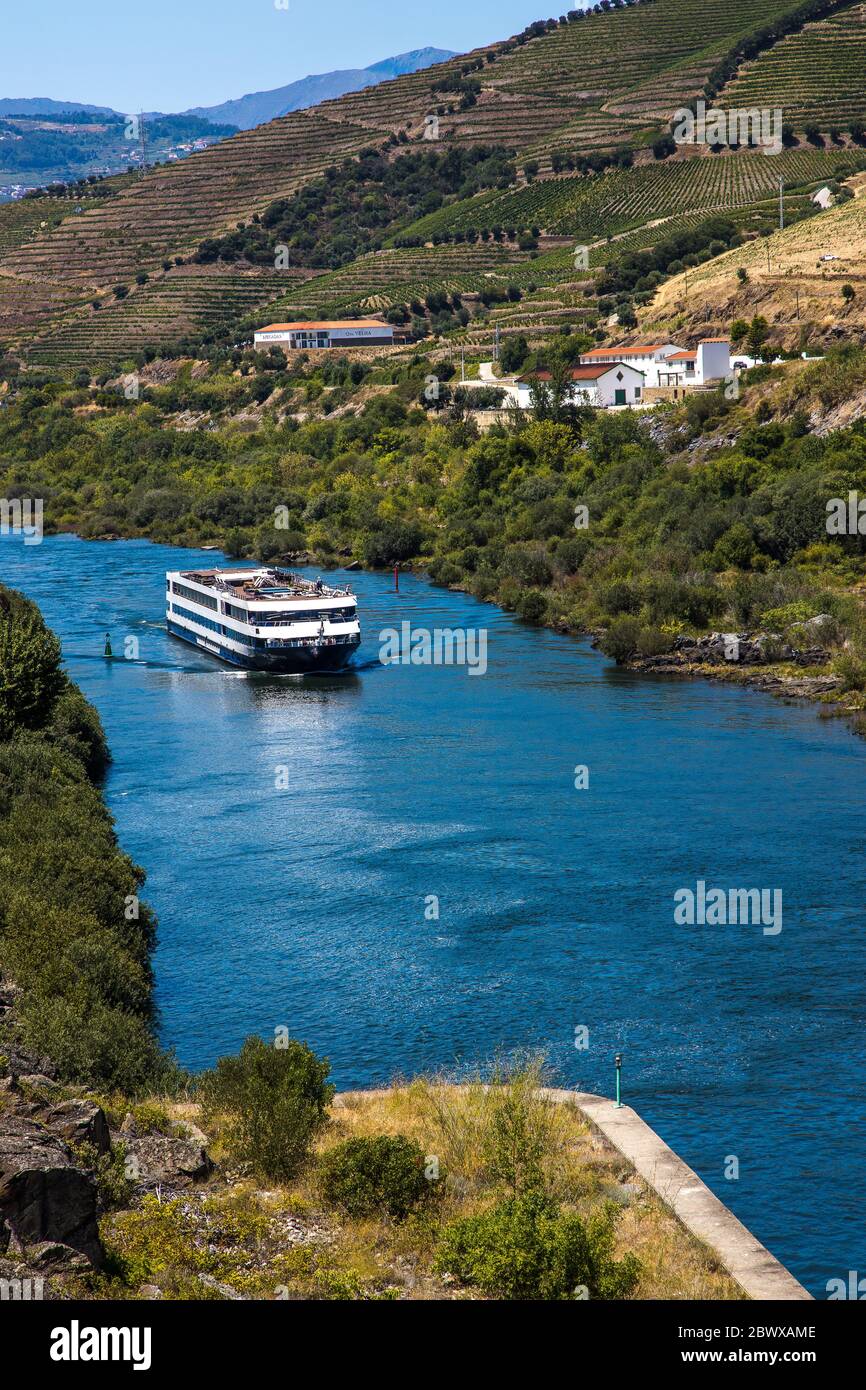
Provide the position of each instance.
(166, 55)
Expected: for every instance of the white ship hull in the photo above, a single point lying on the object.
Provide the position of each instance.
(263, 620)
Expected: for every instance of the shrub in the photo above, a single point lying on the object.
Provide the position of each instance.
(385, 1174)
(518, 1134)
(652, 641)
(778, 619)
(275, 1099)
(532, 606)
(621, 639)
(391, 542)
(527, 1248)
(30, 675)
(530, 567)
(852, 670)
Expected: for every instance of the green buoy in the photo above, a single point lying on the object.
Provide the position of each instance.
(108, 651)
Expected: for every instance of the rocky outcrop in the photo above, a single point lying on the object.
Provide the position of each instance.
(160, 1161)
(745, 649)
(44, 1197)
(79, 1122)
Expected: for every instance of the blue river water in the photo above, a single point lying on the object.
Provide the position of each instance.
(313, 906)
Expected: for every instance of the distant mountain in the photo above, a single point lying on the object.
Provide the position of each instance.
(45, 106)
(258, 107)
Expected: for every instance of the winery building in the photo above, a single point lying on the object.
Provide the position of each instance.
(602, 384)
(348, 333)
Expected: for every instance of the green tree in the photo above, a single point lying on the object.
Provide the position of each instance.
(30, 674)
(275, 1101)
(526, 1248)
(757, 336)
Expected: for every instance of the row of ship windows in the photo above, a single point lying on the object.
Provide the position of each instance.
(206, 600)
(258, 643)
(336, 615)
(219, 628)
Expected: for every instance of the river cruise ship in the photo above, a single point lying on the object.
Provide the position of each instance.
(263, 619)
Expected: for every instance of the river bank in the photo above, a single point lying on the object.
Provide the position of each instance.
(469, 897)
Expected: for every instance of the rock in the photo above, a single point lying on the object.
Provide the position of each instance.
(43, 1196)
(820, 620)
(150, 1293)
(224, 1290)
(53, 1255)
(80, 1122)
(25, 1064)
(157, 1161)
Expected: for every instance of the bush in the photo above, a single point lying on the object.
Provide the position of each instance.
(391, 542)
(652, 641)
(621, 639)
(527, 1248)
(852, 670)
(30, 675)
(385, 1174)
(532, 606)
(275, 1099)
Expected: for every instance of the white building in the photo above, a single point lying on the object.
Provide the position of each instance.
(602, 384)
(667, 364)
(348, 333)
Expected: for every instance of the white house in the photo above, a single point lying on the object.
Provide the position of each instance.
(711, 361)
(647, 359)
(348, 333)
(602, 384)
(823, 198)
(666, 364)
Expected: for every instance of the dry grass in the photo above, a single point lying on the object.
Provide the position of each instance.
(580, 1170)
(377, 1257)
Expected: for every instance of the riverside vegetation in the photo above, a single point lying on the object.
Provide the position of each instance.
(425, 1190)
(647, 530)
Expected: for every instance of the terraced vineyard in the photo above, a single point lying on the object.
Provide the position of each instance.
(788, 282)
(170, 210)
(814, 76)
(187, 302)
(581, 85)
(593, 83)
(21, 221)
(390, 277)
(605, 204)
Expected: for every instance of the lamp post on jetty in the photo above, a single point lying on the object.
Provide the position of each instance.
(618, 1064)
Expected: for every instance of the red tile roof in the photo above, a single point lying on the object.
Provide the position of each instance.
(636, 350)
(322, 324)
(583, 373)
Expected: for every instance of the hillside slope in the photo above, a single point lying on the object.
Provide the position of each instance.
(798, 293)
(601, 80)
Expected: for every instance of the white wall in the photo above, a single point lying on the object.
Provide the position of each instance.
(714, 360)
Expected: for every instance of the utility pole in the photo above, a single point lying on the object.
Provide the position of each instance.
(797, 293)
(768, 255)
(142, 141)
(462, 365)
(781, 204)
